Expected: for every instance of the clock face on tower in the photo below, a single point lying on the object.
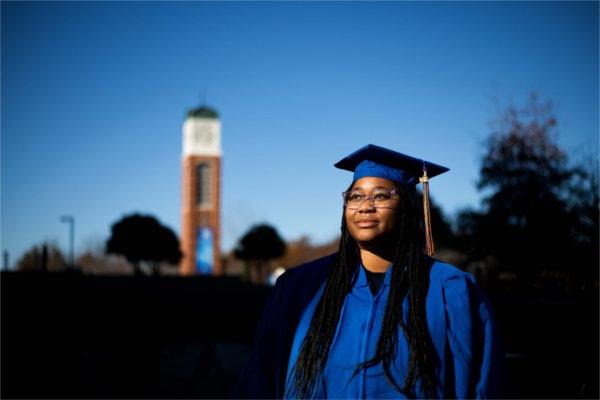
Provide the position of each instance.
(201, 137)
(204, 135)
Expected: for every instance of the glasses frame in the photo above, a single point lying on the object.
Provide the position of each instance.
(369, 197)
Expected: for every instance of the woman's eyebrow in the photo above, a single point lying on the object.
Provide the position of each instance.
(373, 188)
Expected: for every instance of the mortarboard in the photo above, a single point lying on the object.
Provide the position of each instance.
(379, 162)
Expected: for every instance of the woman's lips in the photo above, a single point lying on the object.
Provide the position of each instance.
(368, 223)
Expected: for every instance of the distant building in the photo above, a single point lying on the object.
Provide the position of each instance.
(201, 193)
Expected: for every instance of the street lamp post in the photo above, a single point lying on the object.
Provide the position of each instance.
(71, 221)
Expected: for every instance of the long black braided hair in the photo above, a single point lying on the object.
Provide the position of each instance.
(410, 277)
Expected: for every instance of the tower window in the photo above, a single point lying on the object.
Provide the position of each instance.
(203, 184)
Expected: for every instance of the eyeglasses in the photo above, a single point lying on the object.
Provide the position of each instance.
(380, 198)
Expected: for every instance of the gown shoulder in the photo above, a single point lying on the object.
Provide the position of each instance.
(446, 273)
(477, 357)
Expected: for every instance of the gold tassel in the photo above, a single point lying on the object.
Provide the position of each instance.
(429, 247)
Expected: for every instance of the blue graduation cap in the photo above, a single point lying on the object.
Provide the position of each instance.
(376, 161)
(379, 162)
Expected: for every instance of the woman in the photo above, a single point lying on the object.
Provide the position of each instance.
(380, 318)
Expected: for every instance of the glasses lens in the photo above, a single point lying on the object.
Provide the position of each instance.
(382, 198)
(354, 199)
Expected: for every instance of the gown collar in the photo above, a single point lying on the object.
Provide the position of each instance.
(361, 285)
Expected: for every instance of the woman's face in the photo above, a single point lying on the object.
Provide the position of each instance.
(370, 223)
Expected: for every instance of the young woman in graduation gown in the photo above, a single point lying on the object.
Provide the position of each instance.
(379, 318)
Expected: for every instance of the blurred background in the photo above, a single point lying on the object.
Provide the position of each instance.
(163, 163)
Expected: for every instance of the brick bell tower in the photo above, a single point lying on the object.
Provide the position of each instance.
(201, 193)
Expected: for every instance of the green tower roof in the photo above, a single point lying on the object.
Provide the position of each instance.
(203, 112)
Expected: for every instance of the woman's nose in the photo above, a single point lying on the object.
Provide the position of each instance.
(368, 205)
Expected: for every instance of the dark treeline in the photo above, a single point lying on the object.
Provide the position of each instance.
(70, 335)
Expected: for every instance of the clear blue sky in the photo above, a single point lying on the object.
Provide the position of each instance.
(94, 96)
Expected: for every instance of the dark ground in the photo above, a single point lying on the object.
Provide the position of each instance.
(74, 336)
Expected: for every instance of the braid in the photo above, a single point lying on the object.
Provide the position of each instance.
(409, 278)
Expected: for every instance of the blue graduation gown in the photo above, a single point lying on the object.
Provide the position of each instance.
(459, 321)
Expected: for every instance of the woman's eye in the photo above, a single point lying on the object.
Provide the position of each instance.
(356, 197)
(382, 196)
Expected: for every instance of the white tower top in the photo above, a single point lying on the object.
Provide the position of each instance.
(202, 133)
